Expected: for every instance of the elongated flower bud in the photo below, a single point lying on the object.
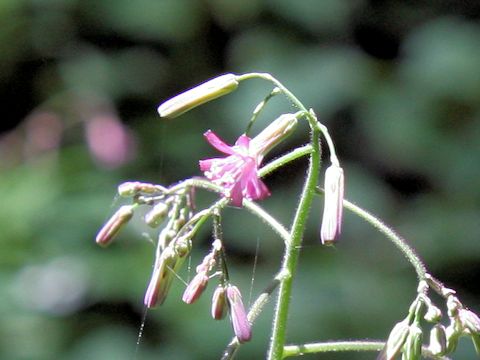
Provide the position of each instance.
(412, 350)
(195, 288)
(219, 303)
(395, 341)
(198, 95)
(438, 340)
(114, 225)
(333, 205)
(161, 279)
(131, 188)
(274, 133)
(238, 315)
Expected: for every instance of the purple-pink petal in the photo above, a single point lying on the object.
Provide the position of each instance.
(218, 143)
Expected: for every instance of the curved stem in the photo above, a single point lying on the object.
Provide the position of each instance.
(285, 159)
(268, 219)
(398, 241)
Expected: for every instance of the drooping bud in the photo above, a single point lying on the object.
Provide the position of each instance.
(438, 340)
(274, 133)
(412, 349)
(333, 205)
(433, 314)
(195, 288)
(156, 216)
(238, 315)
(470, 321)
(114, 225)
(131, 188)
(198, 95)
(219, 303)
(452, 333)
(395, 341)
(161, 279)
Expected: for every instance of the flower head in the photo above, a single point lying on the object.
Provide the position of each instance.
(238, 172)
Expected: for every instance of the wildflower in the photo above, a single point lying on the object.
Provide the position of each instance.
(238, 315)
(198, 95)
(238, 172)
(333, 204)
(114, 225)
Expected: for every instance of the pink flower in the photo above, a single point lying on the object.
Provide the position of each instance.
(238, 172)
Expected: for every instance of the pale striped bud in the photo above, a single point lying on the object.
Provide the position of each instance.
(238, 315)
(412, 349)
(219, 303)
(274, 133)
(114, 225)
(161, 280)
(131, 188)
(198, 95)
(438, 340)
(395, 341)
(195, 288)
(333, 205)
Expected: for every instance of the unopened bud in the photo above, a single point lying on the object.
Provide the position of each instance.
(238, 315)
(453, 334)
(219, 303)
(274, 133)
(195, 288)
(470, 321)
(433, 314)
(333, 205)
(198, 95)
(476, 342)
(114, 225)
(395, 341)
(165, 237)
(412, 349)
(132, 188)
(161, 279)
(438, 340)
(156, 216)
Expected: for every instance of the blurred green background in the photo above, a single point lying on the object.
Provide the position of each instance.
(397, 82)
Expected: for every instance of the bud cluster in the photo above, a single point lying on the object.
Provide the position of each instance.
(406, 336)
(226, 297)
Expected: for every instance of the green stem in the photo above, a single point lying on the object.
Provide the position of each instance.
(284, 159)
(332, 346)
(290, 260)
(336, 346)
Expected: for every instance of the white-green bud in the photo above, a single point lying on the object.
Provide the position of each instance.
(438, 340)
(396, 339)
(198, 95)
(433, 314)
(412, 349)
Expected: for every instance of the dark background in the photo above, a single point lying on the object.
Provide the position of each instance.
(397, 83)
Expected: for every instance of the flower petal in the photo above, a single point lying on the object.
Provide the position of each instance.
(218, 143)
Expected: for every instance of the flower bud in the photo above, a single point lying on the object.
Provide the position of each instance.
(114, 225)
(476, 342)
(274, 133)
(198, 95)
(131, 188)
(412, 349)
(438, 340)
(433, 314)
(195, 288)
(333, 205)
(219, 303)
(470, 321)
(453, 334)
(161, 279)
(238, 315)
(156, 216)
(395, 341)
